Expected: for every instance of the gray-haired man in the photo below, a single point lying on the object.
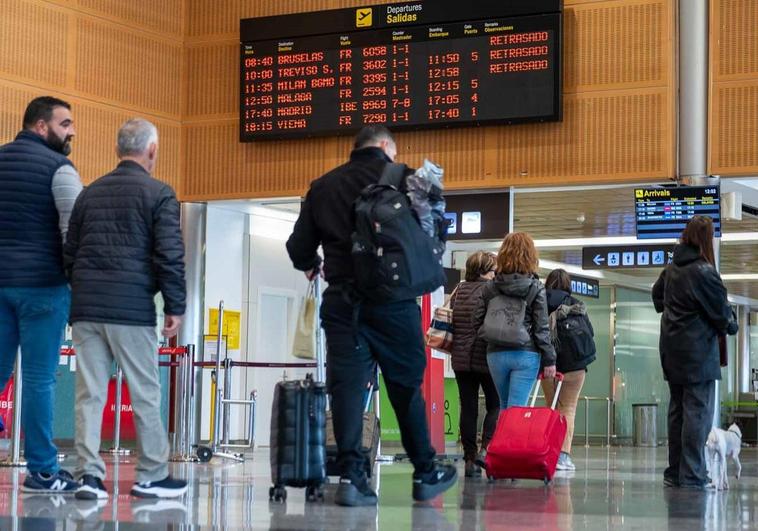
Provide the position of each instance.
(124, 245)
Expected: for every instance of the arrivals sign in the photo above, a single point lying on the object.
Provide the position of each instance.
(627, 257)
(663, 212)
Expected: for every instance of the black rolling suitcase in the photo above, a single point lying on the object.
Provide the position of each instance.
(298, 431)
(298, 436)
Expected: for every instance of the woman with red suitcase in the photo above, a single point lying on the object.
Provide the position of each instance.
(512, 318)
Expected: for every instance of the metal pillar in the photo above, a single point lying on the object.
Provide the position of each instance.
(193, 221)
(693, 88)
(742, 365)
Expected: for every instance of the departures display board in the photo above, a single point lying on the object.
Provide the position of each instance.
(437, 63)
(663, 212)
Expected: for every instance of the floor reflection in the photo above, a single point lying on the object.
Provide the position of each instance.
(612, 489)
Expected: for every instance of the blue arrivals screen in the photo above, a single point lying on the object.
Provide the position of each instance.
(663, 212)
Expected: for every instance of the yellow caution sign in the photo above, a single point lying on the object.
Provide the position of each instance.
(364, 17)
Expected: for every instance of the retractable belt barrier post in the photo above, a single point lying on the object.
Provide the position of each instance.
(116, 449)
(608, 407)
(14, 455)
(184, 411)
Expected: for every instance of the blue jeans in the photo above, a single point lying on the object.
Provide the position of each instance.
(514, 373)
(34, 319)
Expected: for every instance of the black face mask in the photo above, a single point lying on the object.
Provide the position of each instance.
(61, 145)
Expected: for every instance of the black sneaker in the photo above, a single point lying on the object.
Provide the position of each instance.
(472, 470)
(670, 483)
(427, 486)
(59, 483)
(165, 488)
(91, 488)
(351, 494)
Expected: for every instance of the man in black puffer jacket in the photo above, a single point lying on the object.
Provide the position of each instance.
(124, 246)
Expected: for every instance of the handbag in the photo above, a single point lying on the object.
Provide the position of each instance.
(439, 335)
(304, 343)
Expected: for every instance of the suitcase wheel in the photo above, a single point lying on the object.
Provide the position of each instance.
(547, 481)
(277, 494)
(204, 453)
(314, 494)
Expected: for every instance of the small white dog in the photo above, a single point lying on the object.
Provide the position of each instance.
(722, 444)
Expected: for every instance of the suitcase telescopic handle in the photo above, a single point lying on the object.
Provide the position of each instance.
(558, 378)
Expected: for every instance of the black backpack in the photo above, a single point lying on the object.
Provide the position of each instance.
(574, 342)
(393, 258)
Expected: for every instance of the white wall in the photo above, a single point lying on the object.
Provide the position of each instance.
(248, 267)
(224, 275)
(275, 291)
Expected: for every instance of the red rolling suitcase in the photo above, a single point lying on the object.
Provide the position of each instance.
(527, 441)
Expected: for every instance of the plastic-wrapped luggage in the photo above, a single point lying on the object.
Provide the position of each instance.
(527, 441)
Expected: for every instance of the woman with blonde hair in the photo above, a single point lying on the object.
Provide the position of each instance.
(469, 359)
(512, 318)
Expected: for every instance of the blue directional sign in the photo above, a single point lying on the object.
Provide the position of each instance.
(627, 257)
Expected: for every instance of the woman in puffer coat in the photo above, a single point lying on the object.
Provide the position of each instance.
(469, 360)
(572, 335)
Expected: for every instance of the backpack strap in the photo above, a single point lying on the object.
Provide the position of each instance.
(393, 175)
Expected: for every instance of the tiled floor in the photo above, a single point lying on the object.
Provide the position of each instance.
(612, 489)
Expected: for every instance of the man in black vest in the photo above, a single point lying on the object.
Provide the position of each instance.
(38, 187)
(124, 245)
(359, 333)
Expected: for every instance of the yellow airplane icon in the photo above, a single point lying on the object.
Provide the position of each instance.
(364, 18)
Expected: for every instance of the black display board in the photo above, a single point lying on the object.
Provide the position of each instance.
(477, 216)
(663, 212)
(413, 65)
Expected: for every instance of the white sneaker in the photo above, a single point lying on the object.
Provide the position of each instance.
(565, 463)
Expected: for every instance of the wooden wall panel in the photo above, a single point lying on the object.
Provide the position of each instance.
(110, 59)
(734, 88)
(118, 65)
(258, 170)
(735, 28)
(212, 79)
(626, 45)
(619, 122)
(734, 129)
(32, 42)
(164, 16)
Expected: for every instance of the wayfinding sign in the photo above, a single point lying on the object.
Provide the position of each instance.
(586, 287)
(627, 256)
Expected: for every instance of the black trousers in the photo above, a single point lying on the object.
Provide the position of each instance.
(357, 337)
(469, 383)
(690, 419)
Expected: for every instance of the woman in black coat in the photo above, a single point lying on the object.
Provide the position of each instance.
(469, 360)
(693, 300)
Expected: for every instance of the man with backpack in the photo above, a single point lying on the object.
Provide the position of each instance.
(377, 261)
